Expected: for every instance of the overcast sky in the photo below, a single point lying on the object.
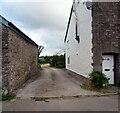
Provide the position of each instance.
(44, 21)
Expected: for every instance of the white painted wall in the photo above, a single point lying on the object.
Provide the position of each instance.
(80, 53)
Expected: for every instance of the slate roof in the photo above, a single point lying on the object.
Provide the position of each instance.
(17, 30)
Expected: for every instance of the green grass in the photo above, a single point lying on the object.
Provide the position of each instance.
(83, 86)
(53, 76)
(5, 97)
(97, 89)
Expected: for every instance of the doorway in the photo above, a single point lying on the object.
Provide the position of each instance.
(108, 67)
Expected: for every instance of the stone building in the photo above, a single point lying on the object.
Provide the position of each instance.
(92, 39)
(19, 56)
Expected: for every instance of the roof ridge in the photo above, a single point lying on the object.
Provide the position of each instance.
(16, 29)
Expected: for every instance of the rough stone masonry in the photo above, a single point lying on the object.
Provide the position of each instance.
(0, 58)
(106, 34)
(19, 56)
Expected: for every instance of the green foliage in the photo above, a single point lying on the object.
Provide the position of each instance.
(44, 60)
(98, 79)
(41, 61)
(5, 97)
(47, 59)
(60, 65)
(83, 86)
(58, 61)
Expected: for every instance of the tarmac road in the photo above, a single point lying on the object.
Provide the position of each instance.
(107, 103)
(53, 82)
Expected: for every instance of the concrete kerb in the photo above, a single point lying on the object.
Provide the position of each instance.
(37, 98)
(76, 96)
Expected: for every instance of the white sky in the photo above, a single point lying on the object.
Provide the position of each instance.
(44, 21)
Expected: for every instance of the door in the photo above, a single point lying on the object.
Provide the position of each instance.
(108, 67)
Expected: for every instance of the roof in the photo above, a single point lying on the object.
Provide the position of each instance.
(68, 24)
(15, 29)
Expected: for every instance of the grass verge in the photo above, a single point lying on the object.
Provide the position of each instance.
(107, 89)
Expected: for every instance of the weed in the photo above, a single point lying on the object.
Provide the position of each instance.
(83, 86)
(53, 76)
(99, 79)
(91, 87)
(5, 97)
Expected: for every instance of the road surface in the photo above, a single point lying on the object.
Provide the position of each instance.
(53, 82)
(108, 103)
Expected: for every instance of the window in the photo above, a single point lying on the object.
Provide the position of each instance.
(68, 60)
(68, 44)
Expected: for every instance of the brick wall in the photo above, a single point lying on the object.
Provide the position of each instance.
(106, 38)
(19, 59)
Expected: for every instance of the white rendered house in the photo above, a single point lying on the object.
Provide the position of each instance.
(91, 39)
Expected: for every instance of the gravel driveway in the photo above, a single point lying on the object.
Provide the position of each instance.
(53, 82)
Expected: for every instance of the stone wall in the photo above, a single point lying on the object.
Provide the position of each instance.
(0, 57)
(106, 38)
(19, 59)
(5, 60)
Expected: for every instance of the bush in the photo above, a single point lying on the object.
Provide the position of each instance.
(41, 61)
(60, 65)
(98, 79)
(58, 61)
